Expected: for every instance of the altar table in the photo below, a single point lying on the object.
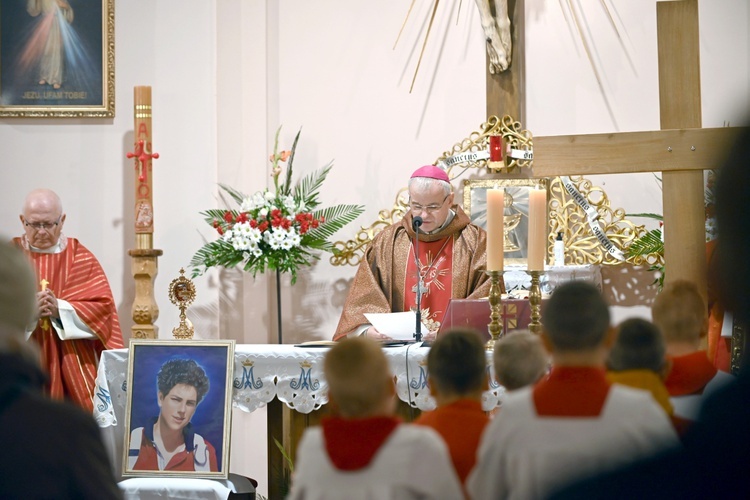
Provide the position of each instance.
(273, 375)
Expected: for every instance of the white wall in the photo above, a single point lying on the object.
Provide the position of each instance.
(226, 74)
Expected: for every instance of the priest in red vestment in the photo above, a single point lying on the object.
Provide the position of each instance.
(76, 310)
(451, 262)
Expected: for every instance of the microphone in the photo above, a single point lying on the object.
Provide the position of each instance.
(415, 223)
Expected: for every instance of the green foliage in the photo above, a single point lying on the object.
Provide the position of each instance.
(281, 230)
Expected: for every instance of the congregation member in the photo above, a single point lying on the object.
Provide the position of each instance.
(680, 314)
(520, 359)
(457, 366)
(638, 359)
(451, 262)
(77, 315)
(50, 449)
(363, 450)
(712, 463)
(573, 423)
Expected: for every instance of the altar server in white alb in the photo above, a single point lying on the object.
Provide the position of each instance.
(363, 451)
(573, 423)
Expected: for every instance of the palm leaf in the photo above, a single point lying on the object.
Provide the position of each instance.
(214, 214)
(336, 217)
(236, 195)
(215, 253)
(647, 215)
(288, 181)
(649, 243)
(307, 188)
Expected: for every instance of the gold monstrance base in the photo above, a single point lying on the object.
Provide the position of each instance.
(182, 294)
(535, 300)
(495, 327)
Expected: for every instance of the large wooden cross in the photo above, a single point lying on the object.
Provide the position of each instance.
(681, 150)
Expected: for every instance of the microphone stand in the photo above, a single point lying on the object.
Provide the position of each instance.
(416, 222)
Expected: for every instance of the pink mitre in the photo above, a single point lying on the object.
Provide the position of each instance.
(432, 172)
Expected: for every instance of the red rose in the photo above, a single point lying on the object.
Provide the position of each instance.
(228, 217)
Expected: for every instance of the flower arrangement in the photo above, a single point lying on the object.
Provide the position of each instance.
(281, 229)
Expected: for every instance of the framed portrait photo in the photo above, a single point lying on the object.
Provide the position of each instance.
(57, 58)
(516, 214)
(178, 410)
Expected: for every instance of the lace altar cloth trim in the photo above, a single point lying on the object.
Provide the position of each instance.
(293, 375)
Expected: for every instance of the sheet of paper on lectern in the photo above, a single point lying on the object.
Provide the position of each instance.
(399, 326)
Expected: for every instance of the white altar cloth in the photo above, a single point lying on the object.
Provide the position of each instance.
(292, 374)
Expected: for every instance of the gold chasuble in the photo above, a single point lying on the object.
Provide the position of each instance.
(74, 275)
(386, 278)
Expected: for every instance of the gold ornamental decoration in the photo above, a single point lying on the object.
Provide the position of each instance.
(600, 235)
(182, 294)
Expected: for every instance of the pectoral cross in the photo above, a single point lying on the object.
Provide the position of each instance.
(45, 321)
(420, 288)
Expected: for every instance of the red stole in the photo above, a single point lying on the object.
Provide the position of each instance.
(571, 392)
(436, 267)
(75, 276)
(353, 443)
(689, 374)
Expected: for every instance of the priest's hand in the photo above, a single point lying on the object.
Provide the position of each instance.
(373, 333)
(47, 304)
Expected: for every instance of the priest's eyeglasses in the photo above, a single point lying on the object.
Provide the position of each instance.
(42, 225)
(417, 208)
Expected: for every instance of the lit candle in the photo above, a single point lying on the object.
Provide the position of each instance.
(537, 229)
(495, 235)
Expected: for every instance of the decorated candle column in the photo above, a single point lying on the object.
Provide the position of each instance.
(144, 265)
(537, 228)
(495, 233)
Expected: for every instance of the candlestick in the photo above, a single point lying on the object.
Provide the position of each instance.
(495, 327)
(535, 300)
(495, 233)
(537, 229)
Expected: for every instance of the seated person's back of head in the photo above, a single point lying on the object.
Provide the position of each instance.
(364, 451)
(457, 365)
(50, 449)
(680, 313)
(638, 359)
(520, 359)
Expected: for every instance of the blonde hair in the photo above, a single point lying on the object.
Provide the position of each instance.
(520, 359)
(358, 377)
(679, 312)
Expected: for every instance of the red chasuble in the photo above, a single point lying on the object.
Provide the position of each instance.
(435, 265)
(75, 276)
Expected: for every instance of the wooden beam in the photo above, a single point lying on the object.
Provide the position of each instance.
(680, 106)
(656, 151)
(505, 91)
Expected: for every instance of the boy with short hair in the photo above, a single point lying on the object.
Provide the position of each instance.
(364, 451)
(573, 423)
(520, 360)
(457, 366)
(680, 314)
(637, 359)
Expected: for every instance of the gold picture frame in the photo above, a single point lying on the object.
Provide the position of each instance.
(197, 378)
(516, 224)
(57, 59)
